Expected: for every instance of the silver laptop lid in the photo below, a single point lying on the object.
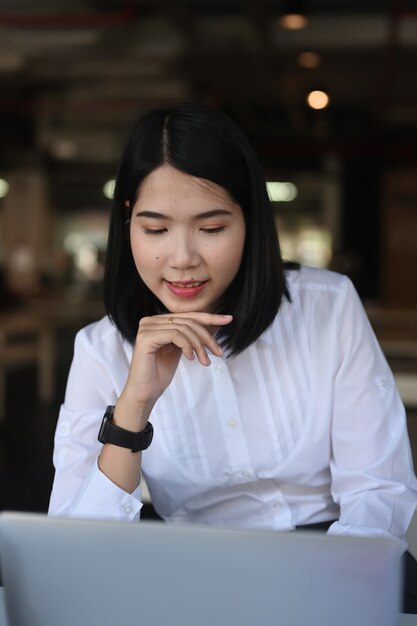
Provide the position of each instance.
(61, 572)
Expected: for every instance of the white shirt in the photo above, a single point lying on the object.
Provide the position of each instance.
(306, 425)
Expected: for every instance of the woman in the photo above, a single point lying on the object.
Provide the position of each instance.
(271, 402)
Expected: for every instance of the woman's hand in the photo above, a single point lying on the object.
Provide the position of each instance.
(160, 342)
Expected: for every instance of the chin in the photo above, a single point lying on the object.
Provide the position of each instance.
(187, 307)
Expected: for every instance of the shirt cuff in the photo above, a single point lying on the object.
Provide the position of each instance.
(100, 498)
(337, 528)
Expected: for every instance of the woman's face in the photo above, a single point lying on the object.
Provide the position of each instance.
(187, 237)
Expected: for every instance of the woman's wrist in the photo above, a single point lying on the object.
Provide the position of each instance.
(130, 414)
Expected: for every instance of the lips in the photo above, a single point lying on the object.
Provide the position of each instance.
(186, 288)
(186, 284)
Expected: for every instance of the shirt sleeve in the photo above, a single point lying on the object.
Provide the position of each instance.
(373, 480)
(80, 489)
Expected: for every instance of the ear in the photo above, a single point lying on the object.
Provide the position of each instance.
(127, 204)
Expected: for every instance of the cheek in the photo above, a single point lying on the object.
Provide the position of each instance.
(144, 250)
(143, 258)
(235, 249)
(147, 265)
(227, 260)
(235, 261)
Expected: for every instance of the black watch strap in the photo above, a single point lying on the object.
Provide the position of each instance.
(110, 433)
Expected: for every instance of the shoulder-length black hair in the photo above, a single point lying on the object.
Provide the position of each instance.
(201, 141)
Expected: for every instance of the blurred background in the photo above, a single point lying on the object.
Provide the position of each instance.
(326, 91)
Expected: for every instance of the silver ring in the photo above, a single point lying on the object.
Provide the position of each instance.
(170, 320)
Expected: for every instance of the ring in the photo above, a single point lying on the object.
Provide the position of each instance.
(170, 320)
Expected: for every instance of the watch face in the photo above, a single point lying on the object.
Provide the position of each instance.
(109, 412)
(104, 429)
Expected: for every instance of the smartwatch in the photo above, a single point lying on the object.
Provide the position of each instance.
(110, 433)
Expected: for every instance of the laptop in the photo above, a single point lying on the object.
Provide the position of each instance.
(66, 572)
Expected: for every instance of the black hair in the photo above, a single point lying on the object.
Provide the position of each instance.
(201, 141)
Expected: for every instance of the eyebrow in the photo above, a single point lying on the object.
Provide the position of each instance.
(199, 216)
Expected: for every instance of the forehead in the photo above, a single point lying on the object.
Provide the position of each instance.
(167, 183)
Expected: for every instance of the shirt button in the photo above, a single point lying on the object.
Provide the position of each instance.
(64, 429)
(232, 423)
(276, 505)
(381, 382)
(244, 474)
(218, 369)
(127, 508)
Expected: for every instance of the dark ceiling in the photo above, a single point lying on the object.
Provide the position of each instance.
(74, 73)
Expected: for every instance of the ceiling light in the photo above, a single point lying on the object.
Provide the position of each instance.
(293, 15)
(108, 188)
(281, 192)
(293, 21)
(64, 149)
(318, 99)
(309, 60)
(4, 187)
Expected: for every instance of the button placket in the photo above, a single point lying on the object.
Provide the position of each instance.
(229, 419)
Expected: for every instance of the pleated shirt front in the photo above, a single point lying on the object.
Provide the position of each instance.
(306, 425)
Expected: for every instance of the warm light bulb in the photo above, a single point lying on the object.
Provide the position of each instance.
(293, 21)
(318, 99)
(309, 60)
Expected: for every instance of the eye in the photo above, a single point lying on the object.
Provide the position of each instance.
(213, 231)
(154, 231)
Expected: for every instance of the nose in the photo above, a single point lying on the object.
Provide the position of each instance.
(184, 253)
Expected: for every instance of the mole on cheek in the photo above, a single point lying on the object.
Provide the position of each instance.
(157, 257)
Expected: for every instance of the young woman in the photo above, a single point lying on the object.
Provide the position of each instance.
(271, 402)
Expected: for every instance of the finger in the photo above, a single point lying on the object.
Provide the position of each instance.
(205, 334)
(195, 340)
(206, 319)
(181, 336)
(151, 340)
(199, 339)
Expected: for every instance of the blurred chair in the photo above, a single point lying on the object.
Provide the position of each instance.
(24, 340)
